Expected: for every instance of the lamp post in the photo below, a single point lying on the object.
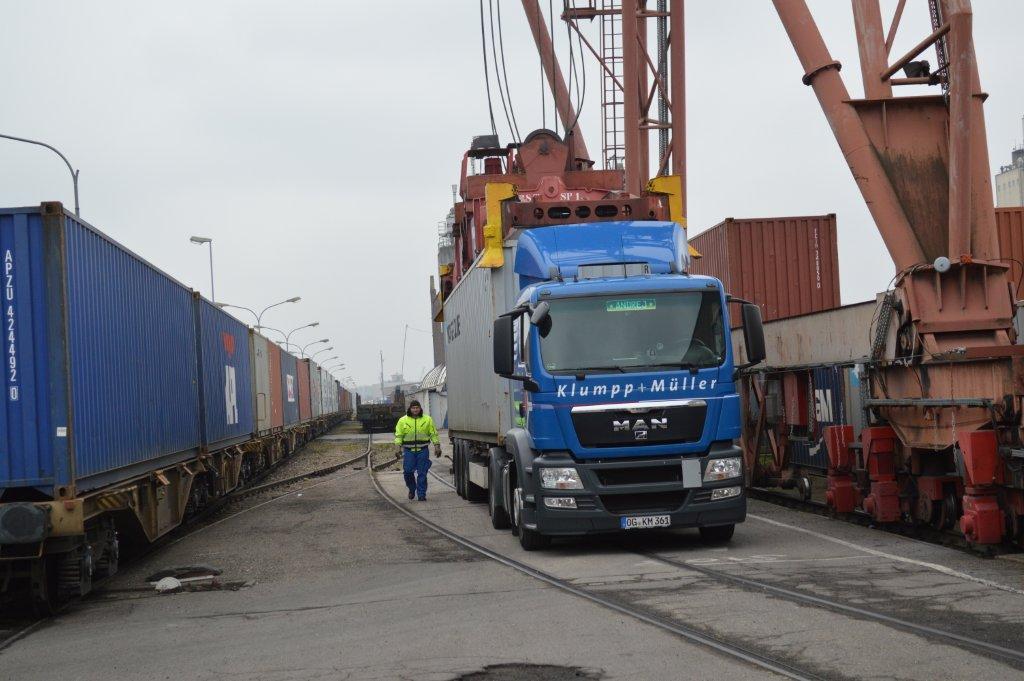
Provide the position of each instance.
(311, 344)
(259, 317)
(328, 349)
(288, 336)
(199, 241)
(74, 173)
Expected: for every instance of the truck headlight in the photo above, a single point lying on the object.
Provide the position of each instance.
(560, 478)
(723, 469)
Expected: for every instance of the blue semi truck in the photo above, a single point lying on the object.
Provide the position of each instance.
(591, 384)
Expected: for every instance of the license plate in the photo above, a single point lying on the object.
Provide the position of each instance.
(643, 522)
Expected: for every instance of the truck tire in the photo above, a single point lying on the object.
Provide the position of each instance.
(718, 534)
(530, 540)
(499, 516)
(457, 466)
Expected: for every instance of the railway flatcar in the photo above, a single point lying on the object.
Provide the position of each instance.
(129, 403)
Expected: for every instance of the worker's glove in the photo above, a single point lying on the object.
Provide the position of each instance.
(437, 451)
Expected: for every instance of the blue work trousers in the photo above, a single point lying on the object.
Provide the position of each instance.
(415, 466)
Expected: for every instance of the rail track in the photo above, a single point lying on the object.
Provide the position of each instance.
(948, 538)
(729, 648)
(12, 630)
(753, 585)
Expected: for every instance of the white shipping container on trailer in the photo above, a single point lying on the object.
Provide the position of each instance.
(479, 401)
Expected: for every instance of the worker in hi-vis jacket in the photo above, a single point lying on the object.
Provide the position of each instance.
(413, 433)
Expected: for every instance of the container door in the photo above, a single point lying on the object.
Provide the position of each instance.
(276, 392)
(261, 381)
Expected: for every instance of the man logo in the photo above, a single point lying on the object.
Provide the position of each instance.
(639, 427)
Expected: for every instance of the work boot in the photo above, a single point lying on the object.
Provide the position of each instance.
(412, 495)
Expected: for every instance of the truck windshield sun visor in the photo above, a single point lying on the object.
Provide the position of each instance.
(617, 332)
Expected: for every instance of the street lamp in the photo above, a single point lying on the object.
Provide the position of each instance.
(200, 240)
(259, 317)
(327, 349)
(74, 173)
(288, 336)
(311, 344)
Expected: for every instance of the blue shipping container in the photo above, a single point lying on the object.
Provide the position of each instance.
(226, 370)
(290, 387)
(101, 366)
(829, 401)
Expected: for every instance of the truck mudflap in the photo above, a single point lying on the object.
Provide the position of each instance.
(625, 495)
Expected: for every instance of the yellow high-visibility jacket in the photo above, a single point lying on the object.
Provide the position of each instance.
(411, 432)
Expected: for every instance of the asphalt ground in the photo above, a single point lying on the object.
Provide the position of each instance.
(326, 580)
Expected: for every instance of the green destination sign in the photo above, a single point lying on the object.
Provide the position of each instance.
(632, 305)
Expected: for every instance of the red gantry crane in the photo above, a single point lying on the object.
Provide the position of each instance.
(944, 377)
(943, 381)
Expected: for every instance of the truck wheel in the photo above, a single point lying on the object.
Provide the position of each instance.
(530, 540)
(457, 466)
(499, 516)
(718, 534)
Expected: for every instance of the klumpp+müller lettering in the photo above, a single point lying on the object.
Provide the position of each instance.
(652, 387)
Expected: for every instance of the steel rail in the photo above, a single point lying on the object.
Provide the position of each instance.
(948, 538)
(693, 635)
(827, 603)
(837, 606)
(192, 525)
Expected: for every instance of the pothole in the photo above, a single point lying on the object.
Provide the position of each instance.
(530, 672)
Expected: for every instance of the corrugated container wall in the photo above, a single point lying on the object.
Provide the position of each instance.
(316, 389)
(302, 375)
(480, 402)
(788, 266)
(226, 376)
(1010, 222)
(260, 380)
(88, 323)
(290, 388)
(276, 386)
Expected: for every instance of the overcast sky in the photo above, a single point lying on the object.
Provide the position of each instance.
(316, 142)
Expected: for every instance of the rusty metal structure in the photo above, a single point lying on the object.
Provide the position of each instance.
(935, 436)
(940, 440)
(554, 178)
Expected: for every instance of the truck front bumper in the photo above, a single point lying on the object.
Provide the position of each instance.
(609, 496)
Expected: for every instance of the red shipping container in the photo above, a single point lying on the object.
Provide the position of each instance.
(788, 266)
(276, 393)
(794, 389)
(1010, 223)
(304, 410)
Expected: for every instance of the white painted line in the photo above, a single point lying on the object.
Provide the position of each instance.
(900, 559)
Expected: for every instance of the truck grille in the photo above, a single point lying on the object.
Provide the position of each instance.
(651, 501)
(609, 477)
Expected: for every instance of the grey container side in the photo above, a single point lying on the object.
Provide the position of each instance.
(260, 381)
(479, 401)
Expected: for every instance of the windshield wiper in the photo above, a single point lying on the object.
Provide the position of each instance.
(621, 370)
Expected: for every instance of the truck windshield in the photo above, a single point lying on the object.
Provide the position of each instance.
(622, 333)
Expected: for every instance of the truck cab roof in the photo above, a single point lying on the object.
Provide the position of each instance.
(558, 253)
(610, 285)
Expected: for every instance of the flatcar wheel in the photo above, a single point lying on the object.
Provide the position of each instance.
(107, 565)
(74, 573)
(949, 511)
(45, 599)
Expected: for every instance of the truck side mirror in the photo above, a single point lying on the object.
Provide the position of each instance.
(753, 334)
(504, 362)
(541, 318)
